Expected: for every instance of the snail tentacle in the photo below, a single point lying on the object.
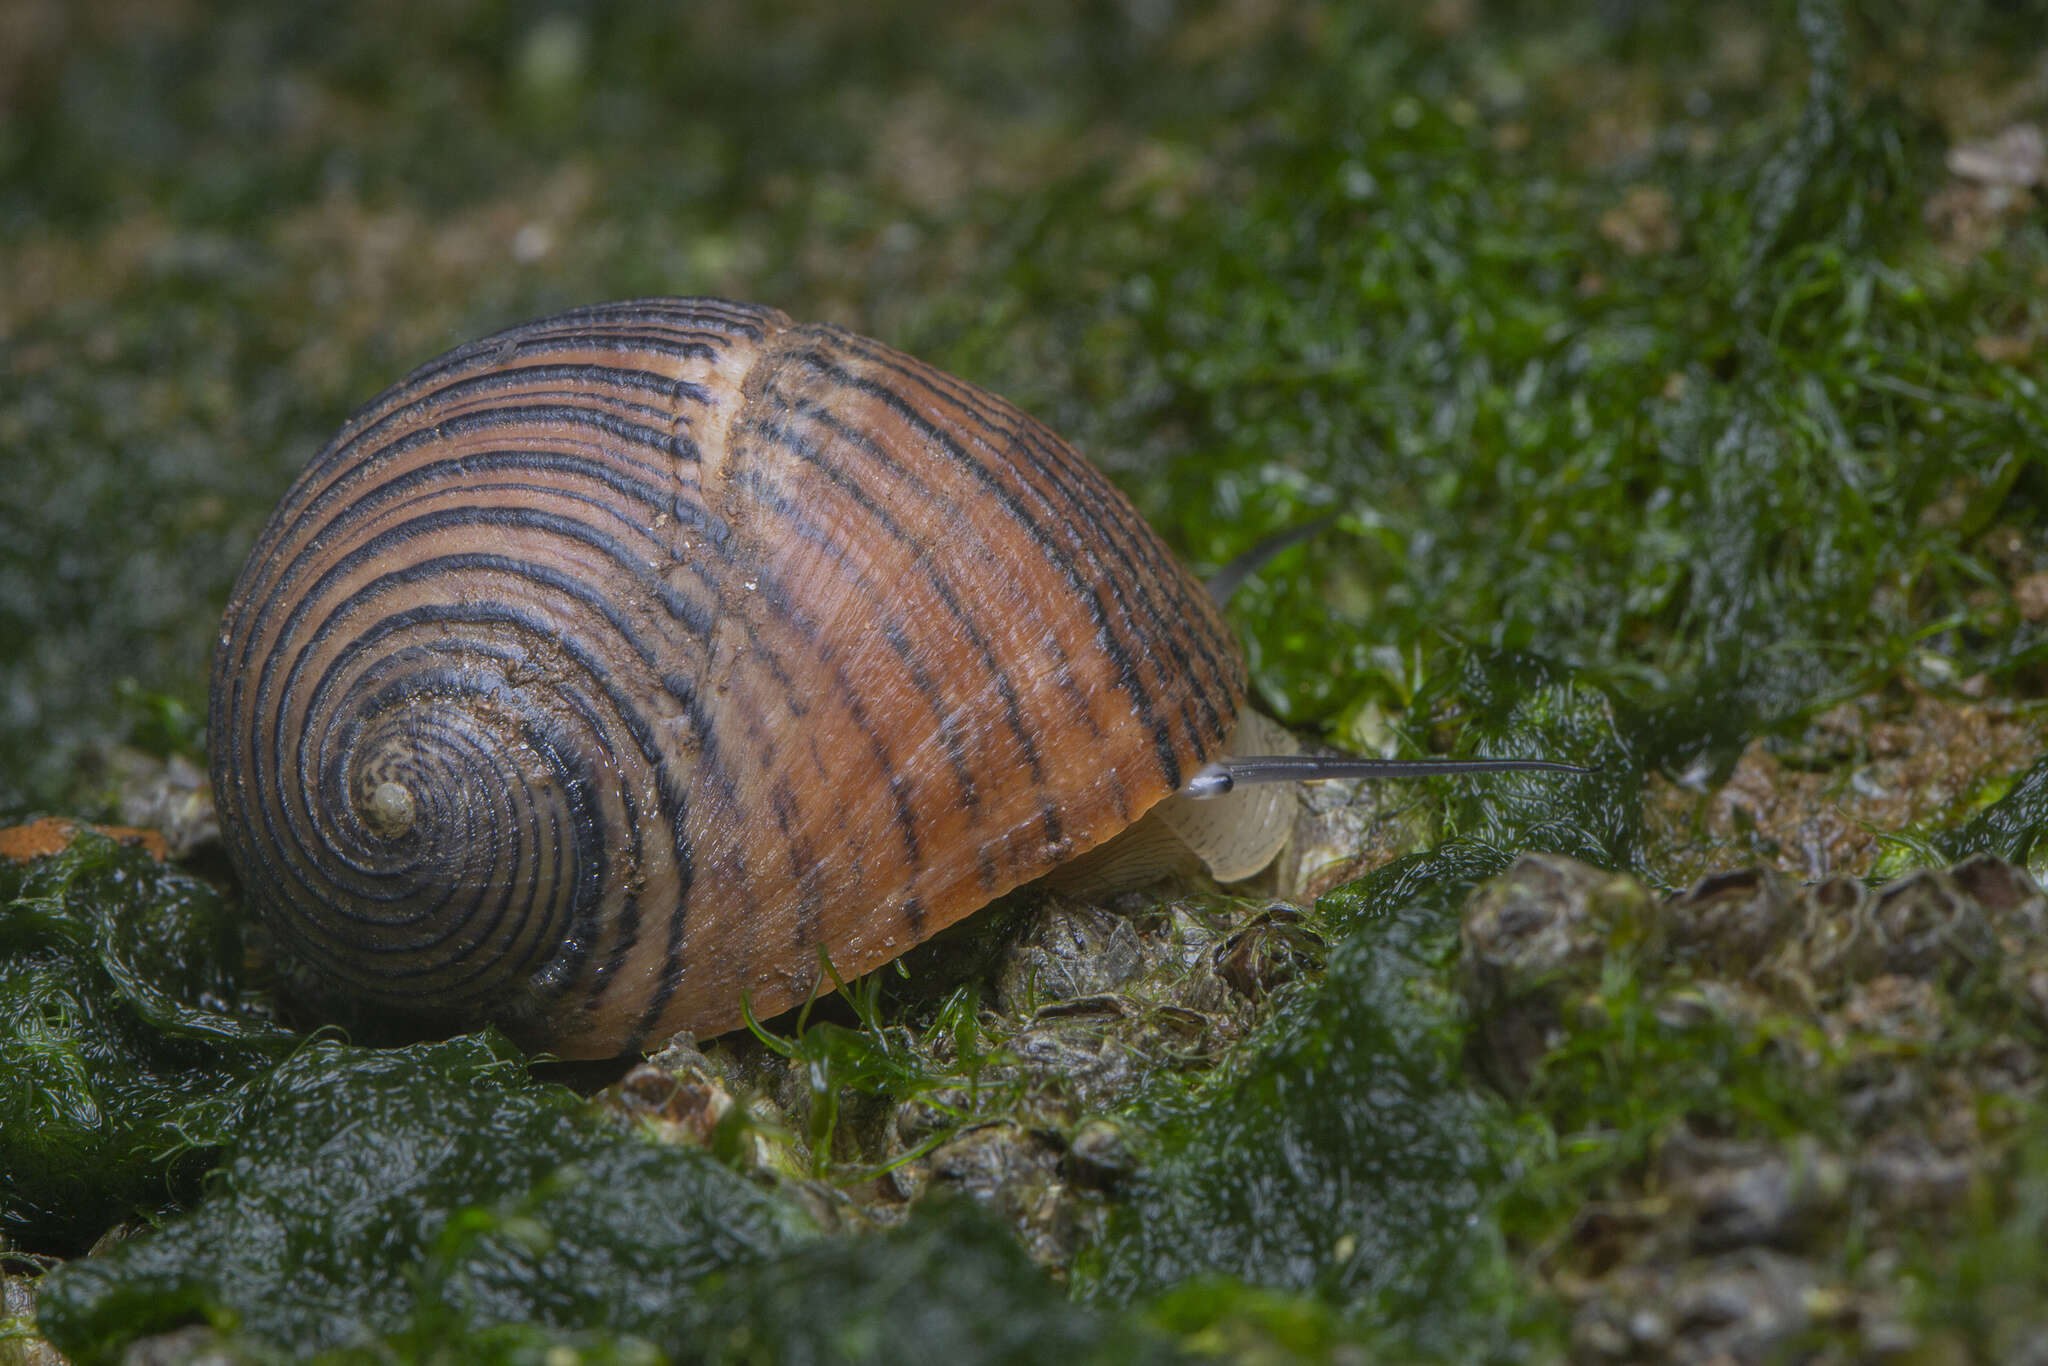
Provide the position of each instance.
(1217, 779)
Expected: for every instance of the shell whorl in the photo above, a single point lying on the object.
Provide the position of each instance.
(603, 669)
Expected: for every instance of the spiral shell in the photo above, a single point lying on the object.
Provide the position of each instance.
(604, 669)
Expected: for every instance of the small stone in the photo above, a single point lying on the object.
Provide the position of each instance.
(171, 794)
(1734, 920)
(1099, 1155)
(1741, 1194)
(2003, 349)
(2030, 595)
(1931, 928)
(2015, 156)
(1070, 950)
(683, 1106)
(1905, 1173)
(1274, 949)
(1532, 938)
(1644, 223)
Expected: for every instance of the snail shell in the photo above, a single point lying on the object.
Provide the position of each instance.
(604, 669)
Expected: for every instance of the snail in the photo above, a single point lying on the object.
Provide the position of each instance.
(602, 671)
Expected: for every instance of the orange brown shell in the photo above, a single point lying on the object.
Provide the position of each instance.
(603, 670)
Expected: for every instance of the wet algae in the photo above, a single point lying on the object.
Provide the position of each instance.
(1670, 389)
(128, 1040)
(416, 1196)
(1587, 408)
(418, 1201)
(1344, 1159)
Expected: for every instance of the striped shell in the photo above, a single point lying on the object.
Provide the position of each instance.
(604, 669)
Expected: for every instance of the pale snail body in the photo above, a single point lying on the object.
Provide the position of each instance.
(602, 671)
(1229, 838)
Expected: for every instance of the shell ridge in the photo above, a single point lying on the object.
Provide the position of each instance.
(1012, 708)
(1125, 671)
(1047, 545)
(319, 507)
(891, 631)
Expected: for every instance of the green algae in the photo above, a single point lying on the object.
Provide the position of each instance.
(949, 1286)
(1345, 1159)
(433, 1202)
(412, 1201)
(128, 1039)
(1981, 1289)
(1345, 1156)
(2014, 827)
(1537, 437)
(414, 1196)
